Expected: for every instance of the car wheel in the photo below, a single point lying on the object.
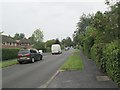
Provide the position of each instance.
(41, 57)
(33, 60)
(20, 62)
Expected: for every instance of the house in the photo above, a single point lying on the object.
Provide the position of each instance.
(24, 43)
(9, 42)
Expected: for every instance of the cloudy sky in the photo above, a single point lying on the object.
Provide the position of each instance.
(55, 19)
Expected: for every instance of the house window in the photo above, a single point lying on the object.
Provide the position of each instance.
(10, 44)
(3, 43)
(15, 44)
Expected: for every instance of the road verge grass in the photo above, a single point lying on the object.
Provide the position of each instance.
(8, 63)
(73, 62)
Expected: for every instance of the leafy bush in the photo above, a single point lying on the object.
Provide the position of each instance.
(93, 52)
(112, 56)
(40, 46)
(87, 45)
(88, 40)
(9, 53)
(97, 55)
(48, 49)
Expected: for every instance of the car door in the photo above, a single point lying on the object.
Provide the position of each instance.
(32, 54)
(35, 54)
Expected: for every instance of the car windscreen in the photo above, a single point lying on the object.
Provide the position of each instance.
(23, 52)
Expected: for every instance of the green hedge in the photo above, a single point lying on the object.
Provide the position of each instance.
(88, 43)
(107, 58)
(97, 55)
(87, 40)
(9, 53)
(112, 57)
(48, 49)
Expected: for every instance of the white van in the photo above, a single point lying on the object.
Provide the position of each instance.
(56, 49)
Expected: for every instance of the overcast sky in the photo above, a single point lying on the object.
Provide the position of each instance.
(55, 19)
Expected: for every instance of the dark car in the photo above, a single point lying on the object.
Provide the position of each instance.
(29, 55)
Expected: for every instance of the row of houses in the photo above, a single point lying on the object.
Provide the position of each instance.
(9, 42)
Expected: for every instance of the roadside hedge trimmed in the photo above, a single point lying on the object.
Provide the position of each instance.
(112, 57)
(107, 57)
(87, 45)
(9, 53)
(97, 55)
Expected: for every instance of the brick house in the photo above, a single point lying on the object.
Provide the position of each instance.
(9, 42)
(24, 43)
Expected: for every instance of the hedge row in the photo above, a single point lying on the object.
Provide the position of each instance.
(9, 53)
(107, 58)
(111, 54)
(97, 55)
(88, 43)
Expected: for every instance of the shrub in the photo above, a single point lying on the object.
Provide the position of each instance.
(112, 56)
(48, 49)
(88, 43)
(40, 46)
(9, 53)
(88, 40)
(97, 55)
(93, 52)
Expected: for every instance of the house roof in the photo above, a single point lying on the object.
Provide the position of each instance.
(7, 39)
(24, 41)
(11, 40)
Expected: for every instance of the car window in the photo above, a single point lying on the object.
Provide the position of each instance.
(23, 52)
(33, 51)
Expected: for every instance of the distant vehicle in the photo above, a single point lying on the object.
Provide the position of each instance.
(67, 48)
(40, 51)
(56, 49)
(29, 55)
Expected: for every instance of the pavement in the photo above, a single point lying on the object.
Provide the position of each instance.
(89, 77)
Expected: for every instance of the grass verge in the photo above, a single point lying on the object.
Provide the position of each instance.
(8, 63)
(73, 62)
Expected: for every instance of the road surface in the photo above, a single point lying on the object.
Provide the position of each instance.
(33, 75)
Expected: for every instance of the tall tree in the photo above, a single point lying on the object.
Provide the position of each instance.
(57, 41)
(37, 35)
(69, 41)
(63, 42)
(19, 36)
(22, 35)
(16, 36)
(49, 43)
(82, 25)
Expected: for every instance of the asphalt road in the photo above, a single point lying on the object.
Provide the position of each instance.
(33, 75)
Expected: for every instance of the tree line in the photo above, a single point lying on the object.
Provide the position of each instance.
(99, 35)
(37, 37)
